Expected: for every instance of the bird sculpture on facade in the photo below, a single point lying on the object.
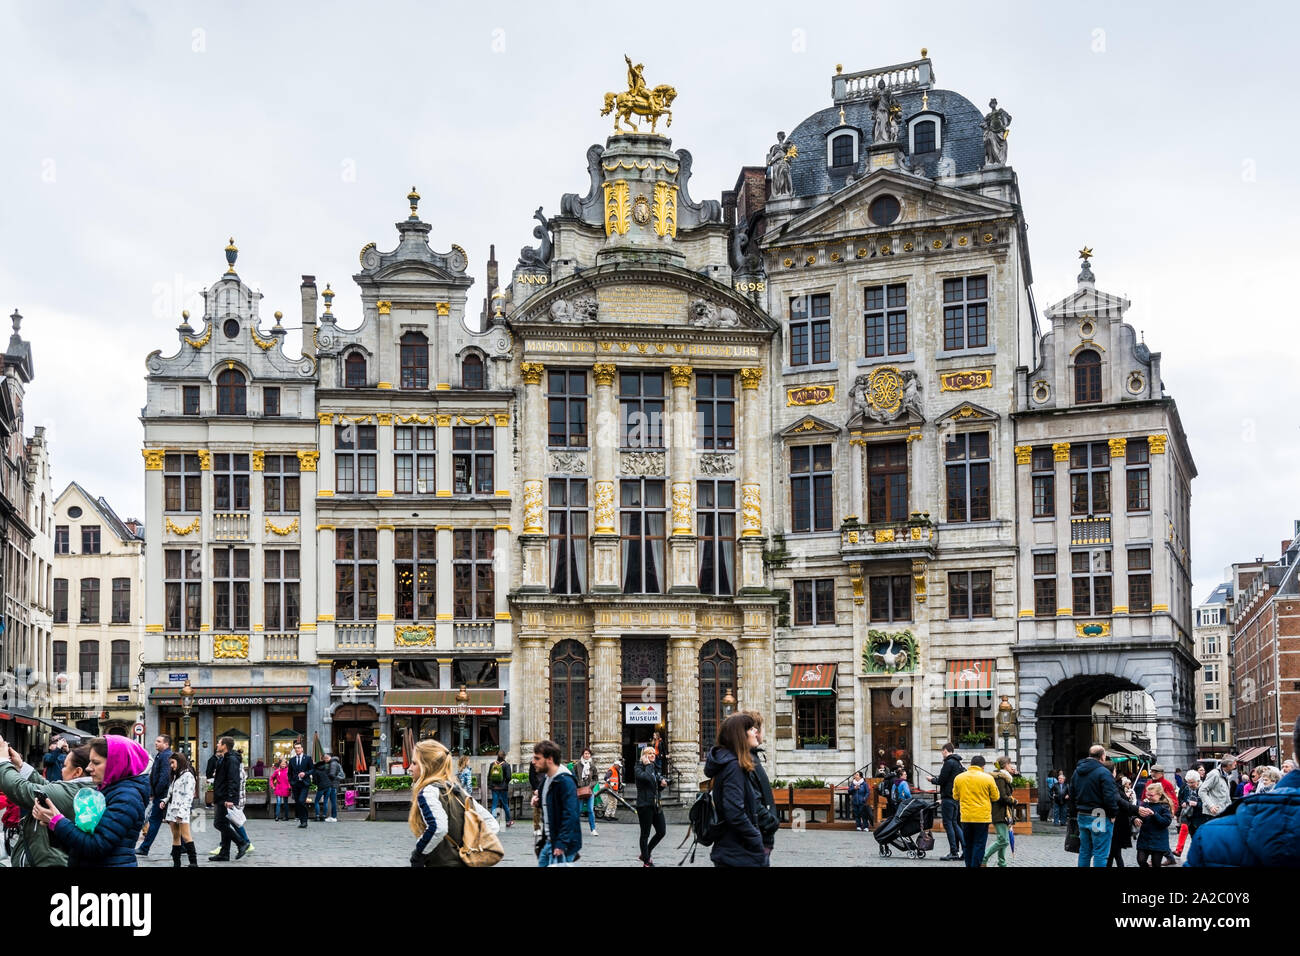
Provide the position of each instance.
(893, 658)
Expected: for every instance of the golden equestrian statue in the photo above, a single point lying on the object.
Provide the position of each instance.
(640, 100)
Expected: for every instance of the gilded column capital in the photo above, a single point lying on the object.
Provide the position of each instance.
(259, 460)
(1156, 443)
(1023, 454)
(444, 421)
(503, 420)
(383, 418)
(307, 460)
(750, 377)
(1061, 451)
(153, 458)
(532, 372)
(205, 459)
(681, 375)
(326, 418)
(603, 373)
(1117, 446)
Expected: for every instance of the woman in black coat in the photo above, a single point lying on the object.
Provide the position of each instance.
(1122, 836)
(728, 766)
(649, 784)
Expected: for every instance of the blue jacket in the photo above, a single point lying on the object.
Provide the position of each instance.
(1262, 830)
(113, 841)
(562, 813)
(1093, 786)
(160, 775)
(1154, 835)
(739, 843)
(859, 792)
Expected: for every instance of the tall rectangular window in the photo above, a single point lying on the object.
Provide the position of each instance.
(642, 518)
(59, 658)
(414, 459)
(183, 582)
(90, 539)
(1139, 580)
(280, 589)
(121, 600)
(1045, 585)
(814, 602)
(641, 409)
(416, 577)
(90, 600)
(61, 539)
(814, 719)
(566, 408)
(890, 597)
(356, 574)
(715, 518)
(230, 482)
(567, 516)
(965, 313)
(1137, 474)
(1043, 468)
(182, 483)
(270, 401)
(414, 357)
(119, 667)
(230, 587)
(810, 329)
(885, 320)
(1090, 478)
(810, 488)
(471, 460)
(280, 484)
(715, 410)
(968, 477)
(887, 481)
(189, 399)
(61, 601)
(473, 598)
(355, 466)
(970, 595)
(88, 665)
(1090, 573)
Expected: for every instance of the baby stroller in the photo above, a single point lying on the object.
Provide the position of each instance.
(908, 829)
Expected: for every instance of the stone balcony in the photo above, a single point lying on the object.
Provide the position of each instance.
(474, 635)
(230, 526)
(915, 538)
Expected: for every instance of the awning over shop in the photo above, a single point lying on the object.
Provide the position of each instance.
(1131, 749)
(970, 678)
(483, 702)
(1250, 754)
(63, 728)
(812, 680)
(231, 696)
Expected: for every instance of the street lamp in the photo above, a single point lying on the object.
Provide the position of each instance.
(462, 708)
(728, 704)
(187, 702)
(1006, 722)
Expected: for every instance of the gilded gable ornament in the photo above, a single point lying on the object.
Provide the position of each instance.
(886, 393)
(639, 100)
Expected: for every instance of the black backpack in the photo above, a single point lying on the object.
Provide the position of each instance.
(704, 828)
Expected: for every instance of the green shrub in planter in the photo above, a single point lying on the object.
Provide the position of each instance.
(1023, 783)
(808, 783)
(519, 778)
(393, 782)
(255, 785)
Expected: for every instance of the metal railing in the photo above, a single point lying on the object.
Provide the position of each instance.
(1089, 531)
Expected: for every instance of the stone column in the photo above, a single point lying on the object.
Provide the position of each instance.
(442, 463)
(154, 609)
(681, 444)
(324, 570)
(751, 495)
(308, 584)
(503, 476)
(684, 708)
(1064, 586)
(1119, 526)
(386, 545)
(605, 698)
(533, 466)
(857, 503)
(605, 438)
(384, 475)
(1162, 521)
(530, 693)
(444, 591)
(325, 442)
(501, 585)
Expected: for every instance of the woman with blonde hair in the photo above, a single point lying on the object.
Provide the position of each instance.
(464, 776)
(434, 814)
(1155, 814)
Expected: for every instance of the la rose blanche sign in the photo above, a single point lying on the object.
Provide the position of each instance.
(643, 713)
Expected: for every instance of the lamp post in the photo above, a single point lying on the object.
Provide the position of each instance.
(1006, 722)
(187, 702)
(728, 704)
(462, 708)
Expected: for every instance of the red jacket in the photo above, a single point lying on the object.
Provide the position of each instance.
(280, 781)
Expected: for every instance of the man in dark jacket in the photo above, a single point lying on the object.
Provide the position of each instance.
(225, 789)
(1094, 801)
(160, 779)
(52, 764)
(498, 777)
(559, 802)
(535, 780)
(948, 806)
(300, 771)
(1261, 830)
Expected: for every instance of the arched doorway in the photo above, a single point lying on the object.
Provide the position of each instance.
(569, 698)
(355, 736)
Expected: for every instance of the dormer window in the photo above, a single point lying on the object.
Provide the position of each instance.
(471, 372)
(231, 399)
(354, 371)
(925, 133)
(842, 148)
(1087, 378)
(415, 360)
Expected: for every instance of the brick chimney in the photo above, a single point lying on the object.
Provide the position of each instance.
(309, 315)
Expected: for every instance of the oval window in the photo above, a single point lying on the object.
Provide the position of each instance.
(74, 512)
(231, 328)
(884, 210)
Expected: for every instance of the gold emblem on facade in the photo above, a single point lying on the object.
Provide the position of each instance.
(885, 390)
(665, 209)
(641, 210)
(616, 207)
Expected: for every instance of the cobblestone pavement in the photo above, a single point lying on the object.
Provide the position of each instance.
(358, 842)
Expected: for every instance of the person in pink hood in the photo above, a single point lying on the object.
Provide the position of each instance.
(280, 786)
(117, 766)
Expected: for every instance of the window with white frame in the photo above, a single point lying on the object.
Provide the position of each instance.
(280, 589)
(413, 459)
(810, 329)
(1090, 573)
(885, 319)
(355, 468)
(415, 553)
(965, 313)
(280, 480)
(925, 133)
(230, 584)
(1211, 700)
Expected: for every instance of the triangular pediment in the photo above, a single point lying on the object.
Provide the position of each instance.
(1087, 301)
(967, 412)
(922, 201)
(810, 425)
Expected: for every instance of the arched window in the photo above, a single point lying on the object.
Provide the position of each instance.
(923, 137)
(717, 676)
(842, 150)
(1087, 377)
(230, 393)
(354, 371)
(415, 360)
(471, 371)
(569, 698)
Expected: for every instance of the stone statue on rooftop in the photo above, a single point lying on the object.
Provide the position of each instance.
(997, 126)
(778, 167)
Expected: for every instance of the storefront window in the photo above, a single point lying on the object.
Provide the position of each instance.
(238, 726)
(487, 734)
(283, 727)
(416, 674)
(173, 724)
(474, 673)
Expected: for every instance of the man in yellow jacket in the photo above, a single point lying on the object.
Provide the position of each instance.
(975, 792)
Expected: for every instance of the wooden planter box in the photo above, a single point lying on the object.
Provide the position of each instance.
(813, 802)
(1026, 805)
(389, 804)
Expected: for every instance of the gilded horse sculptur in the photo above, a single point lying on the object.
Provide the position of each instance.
(652, 103)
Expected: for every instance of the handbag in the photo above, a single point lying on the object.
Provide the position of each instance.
(584, 793)
(236, 816)
(925, 840)
(1072, 835)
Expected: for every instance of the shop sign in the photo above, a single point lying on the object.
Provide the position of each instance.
(242, 701)
(810, 395)
(443, 711)
(643, 713)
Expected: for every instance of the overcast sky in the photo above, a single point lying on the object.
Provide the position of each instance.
(138, 137)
